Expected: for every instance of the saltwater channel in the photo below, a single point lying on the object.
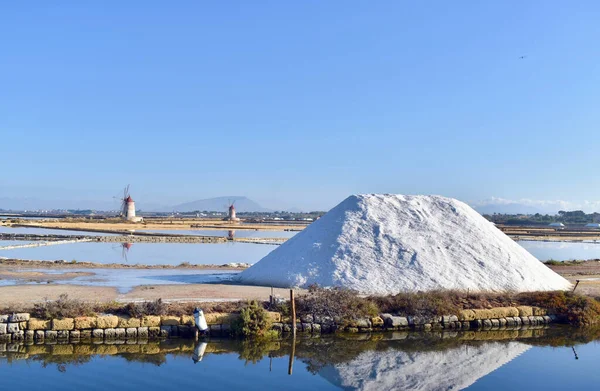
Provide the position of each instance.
(558, 358)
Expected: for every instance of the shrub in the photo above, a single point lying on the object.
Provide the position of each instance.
(137, 310)
(421, 303)
(577, 309)
(253, 322)
(335, 303)
(64, 307)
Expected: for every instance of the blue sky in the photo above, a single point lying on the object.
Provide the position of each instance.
(300, 103)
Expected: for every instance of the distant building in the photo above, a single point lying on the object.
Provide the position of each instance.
(592, 225)
(556, 225)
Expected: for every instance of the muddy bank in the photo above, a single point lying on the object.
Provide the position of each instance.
(61, 264)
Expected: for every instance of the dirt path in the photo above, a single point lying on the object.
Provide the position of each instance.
(27, 294)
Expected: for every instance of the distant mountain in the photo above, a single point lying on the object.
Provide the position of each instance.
(242, 204)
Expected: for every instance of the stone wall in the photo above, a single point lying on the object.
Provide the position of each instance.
(505, 318)
(21, 327)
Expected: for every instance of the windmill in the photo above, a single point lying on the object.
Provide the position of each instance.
(127, 210)
(231, 211)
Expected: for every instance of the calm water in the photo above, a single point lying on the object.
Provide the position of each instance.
(125, 280)
(45, 231)
(562, 251)
(531, 359)
(147, 253)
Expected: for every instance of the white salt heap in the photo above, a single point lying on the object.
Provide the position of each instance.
(451, 369)
(381, 243)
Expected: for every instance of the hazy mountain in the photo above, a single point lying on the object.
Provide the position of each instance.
(242, 204)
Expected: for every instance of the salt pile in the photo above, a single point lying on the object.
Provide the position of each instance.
(452, 369)
(385, 244)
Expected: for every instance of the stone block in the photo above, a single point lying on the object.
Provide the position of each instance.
(51, 335)
(150, 321)
(394, 321)
(275, 316)
(3, 328)
(476, 324)
(85, 334)
(466, 315)
(307, 318)
(169, 320)
(142, 332)
(120, 333)
(62, 334)
(226, 328)
(167, 329)
(306, 328)
(98, 333)
(524, 320)
(127, 323)
(362, 323)
(532, 320)
(110, 333)
(39, 335)
(502, 322)
(86, 322)
(185, 331)
(187, 320)
(29, 335)
(220, 318)
(131, 332)
(287, 328)
(18, 336)
(63, 324)
(153, 332)
(22, 325)
(547, 319)
(3, 318)
(164, 333)
(39, 324)
(524, 310)
(107, 322)
(5, 338)
(510, 322)
(377, 321)
(12, 328)
(465, 325)
(75, 335)
(216, 328)
(418, 320)
(16, 318)
(495, 322)
(537, 311)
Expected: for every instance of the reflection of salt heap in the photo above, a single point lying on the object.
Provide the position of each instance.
(452, 369)
(389, 243)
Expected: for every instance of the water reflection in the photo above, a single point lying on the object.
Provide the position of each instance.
(392, 361)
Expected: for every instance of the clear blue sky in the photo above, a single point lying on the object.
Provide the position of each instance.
(300, 103)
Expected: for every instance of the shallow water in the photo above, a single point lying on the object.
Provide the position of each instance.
(46, 231)
(562, 251)
(533, 359)
(126, 279)
(147, 253)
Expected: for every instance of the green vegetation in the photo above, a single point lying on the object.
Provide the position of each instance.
(576, 217)
(254, 322)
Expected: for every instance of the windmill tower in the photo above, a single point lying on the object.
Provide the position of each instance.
(128, 207)
(231, 213)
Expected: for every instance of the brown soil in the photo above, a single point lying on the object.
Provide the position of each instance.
(587, 272)
(37, 276)
(11, 264)
(116, 225)
(26, 294)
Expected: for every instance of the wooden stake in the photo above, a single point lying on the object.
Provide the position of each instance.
(292, 354)
(293, 308)
(576, 283)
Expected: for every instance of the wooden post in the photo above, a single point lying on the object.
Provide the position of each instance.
(293, 309)
(576, 283)
(292, 354)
